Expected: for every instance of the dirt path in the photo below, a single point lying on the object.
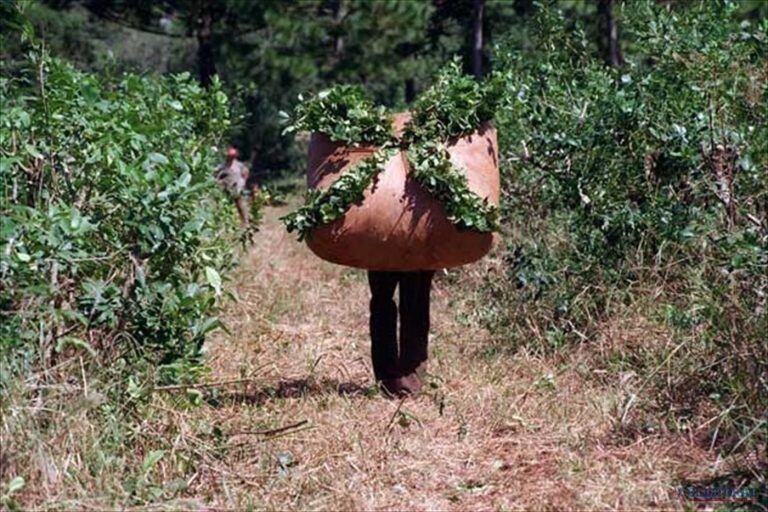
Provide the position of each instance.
(495, 430)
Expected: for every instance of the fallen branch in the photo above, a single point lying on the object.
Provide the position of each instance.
(754, 220)
(272, 431)
(177, 387)
(394, 414)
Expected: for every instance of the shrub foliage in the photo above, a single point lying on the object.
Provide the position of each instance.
(113, 238)
(644, 183)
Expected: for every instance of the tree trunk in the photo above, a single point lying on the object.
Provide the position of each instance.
(410, 90)
(477, 40)
(609, 34)
(338, 18)
(206, 60)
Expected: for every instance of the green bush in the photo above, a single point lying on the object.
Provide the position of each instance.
(114, 238)
(644, 184)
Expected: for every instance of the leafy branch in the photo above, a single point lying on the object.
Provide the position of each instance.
(432, 168)
(455, 105)
(325, 206)
(344, 114)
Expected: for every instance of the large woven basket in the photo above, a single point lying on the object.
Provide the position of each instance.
(399, 225)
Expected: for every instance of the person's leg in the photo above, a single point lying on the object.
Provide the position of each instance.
(243, 204)
(415, 288)
(383, 325)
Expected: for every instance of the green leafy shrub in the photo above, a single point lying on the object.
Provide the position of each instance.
(644, 184)
(113, 234)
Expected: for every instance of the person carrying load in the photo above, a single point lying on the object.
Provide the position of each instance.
(400, 233)
(400, 195)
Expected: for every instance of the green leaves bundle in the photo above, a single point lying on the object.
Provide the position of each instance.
(323, 207)
(344, 114)
(455, 105)
(432, 168)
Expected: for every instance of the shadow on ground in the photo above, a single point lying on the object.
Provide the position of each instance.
(738, 490)
(289, 389)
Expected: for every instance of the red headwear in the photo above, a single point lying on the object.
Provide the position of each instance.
(231, 153)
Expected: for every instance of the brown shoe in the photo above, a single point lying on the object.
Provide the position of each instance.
(410, 384)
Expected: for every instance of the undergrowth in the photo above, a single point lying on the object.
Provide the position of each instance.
(641, 191)
(116, 242)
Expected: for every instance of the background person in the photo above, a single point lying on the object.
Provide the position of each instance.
(234, 177)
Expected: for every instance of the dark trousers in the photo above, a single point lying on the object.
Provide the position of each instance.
(388, 362)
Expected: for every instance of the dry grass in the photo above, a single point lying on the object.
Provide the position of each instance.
(495, 431)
